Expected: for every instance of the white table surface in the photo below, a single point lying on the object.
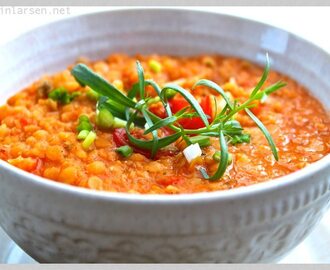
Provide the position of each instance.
(311, 23)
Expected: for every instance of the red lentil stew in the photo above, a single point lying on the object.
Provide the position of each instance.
(158, 124)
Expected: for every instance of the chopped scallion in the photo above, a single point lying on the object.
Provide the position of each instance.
(82, 134)
(89, 140)
(104, 118)
(84, 123)
(62, 95)
(125, 151)
(217, 156)
(203, 141)
(119, 123)
(92, 95)
(242, 138)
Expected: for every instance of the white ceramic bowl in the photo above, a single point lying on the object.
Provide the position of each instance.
(54, 222)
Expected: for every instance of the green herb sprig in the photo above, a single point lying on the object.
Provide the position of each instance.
(134, 109)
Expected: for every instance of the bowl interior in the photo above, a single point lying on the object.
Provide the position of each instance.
(176, 32)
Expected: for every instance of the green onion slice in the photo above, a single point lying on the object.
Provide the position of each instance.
(89, 140)
(125, 150)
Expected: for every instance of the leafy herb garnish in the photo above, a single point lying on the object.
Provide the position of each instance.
(134, 109)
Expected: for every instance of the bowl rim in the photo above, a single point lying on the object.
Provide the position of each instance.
(268, 186)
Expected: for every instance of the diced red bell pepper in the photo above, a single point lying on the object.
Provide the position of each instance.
(179, 103)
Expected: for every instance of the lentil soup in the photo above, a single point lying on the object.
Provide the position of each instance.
(38, 128)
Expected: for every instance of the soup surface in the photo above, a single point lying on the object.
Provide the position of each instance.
(38, 134)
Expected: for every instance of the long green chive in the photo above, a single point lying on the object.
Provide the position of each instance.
(161, 123)
(82, 134)
(85, 76)
(141, 84)
(263, 77)
(223, 164)
(89, 140)
(148, 144)
(125, 151)
(265, 132)
(215, 87)
(104, 118)
(154, 133)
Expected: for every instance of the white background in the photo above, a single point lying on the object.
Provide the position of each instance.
(311, 23)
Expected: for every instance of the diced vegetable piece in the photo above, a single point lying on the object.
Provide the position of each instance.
(125, 151)
(89, 140)
(178, 103)
(82, 134)
(155, 66)
(192, 151)
(104, 118)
